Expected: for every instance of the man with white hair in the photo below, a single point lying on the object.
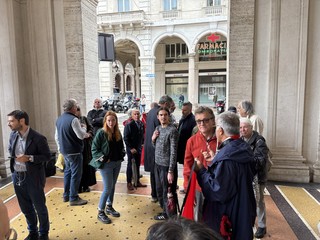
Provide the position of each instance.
(96, 115)
(245, 110)
(260, 151)
(230, 206)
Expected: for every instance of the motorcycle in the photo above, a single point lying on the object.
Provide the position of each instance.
(220, 105)
(118, 107)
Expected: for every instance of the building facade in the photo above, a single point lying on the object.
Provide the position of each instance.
(173, 46)
(48, 52)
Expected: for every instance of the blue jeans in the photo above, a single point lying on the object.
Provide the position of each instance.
(142, 108)
(109, 172)
(32, 201)
(72, 175)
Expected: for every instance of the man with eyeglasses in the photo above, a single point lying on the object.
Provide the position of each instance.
(230, 206)
(196, 148)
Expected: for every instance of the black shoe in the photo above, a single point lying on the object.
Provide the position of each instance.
(111, 211)
(161, 216)
(66, 199)
(32, 236)
(102, 217)
(44, 237)
(78, 202)
(260, 232)
(139, 184)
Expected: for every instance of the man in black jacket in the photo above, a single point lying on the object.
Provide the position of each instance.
(133, 137)
(261, 154)
(29, 150)
(96, 115)
(186, 124)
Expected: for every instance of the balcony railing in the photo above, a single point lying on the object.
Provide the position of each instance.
(133, 17)
(171, 14)
(220, 10)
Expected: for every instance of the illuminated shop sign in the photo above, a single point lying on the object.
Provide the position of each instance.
(212, 46)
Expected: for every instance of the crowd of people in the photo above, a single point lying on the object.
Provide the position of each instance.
(225, 162)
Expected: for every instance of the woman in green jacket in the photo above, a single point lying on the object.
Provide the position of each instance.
(108, 144)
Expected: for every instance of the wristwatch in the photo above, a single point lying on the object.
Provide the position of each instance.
(30, 158)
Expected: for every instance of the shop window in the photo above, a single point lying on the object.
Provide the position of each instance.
(211, 89)
(177, 86)
(169, 5)
(177, 52)
(123, 5)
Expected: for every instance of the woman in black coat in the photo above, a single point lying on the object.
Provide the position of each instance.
(88, 172)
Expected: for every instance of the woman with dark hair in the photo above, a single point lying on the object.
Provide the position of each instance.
(108, 145)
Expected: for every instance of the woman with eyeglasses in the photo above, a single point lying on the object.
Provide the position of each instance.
(198, 147)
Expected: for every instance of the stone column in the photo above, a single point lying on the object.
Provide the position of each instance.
(316, 166)
(193, 85)
(240, 50)
(148, 79)
(80, 25)
(9, 91)
(286, 88)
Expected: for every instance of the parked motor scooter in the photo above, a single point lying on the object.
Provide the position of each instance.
(220, 105)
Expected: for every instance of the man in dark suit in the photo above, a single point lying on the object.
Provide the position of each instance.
(29, 151)
(133, 137)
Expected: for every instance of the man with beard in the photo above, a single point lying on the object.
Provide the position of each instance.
(29, 150)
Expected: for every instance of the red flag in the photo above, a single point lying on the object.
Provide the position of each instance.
(188, 209)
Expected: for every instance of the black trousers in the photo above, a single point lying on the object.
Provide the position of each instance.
(32, 201)
(161, 177)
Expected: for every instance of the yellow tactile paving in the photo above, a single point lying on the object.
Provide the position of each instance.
(6, 192)
(307, 207)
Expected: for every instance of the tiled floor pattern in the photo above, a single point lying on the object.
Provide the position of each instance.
(292, 212)
(81, 222)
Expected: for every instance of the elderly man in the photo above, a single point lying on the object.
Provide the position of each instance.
(29, 151)
(261, 152)
(230, 206)
(69, 136)
(152, 123)
(245, 110)
(133, 137)
(96, 115)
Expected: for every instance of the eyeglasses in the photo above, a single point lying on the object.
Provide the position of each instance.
(204, 121)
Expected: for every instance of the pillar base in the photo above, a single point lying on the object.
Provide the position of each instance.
(289, 169)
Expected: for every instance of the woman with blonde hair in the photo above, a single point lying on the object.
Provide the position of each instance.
(108, 146)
